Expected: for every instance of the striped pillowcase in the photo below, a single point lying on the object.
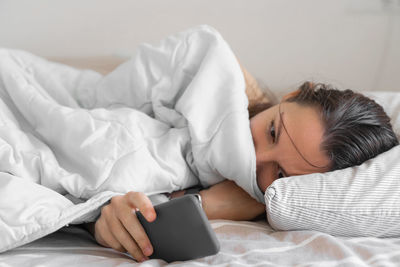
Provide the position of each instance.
(357, 201)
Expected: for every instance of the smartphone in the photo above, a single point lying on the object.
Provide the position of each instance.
(181, 230)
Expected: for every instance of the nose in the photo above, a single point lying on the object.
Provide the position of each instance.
(266, 162)
(263, 157)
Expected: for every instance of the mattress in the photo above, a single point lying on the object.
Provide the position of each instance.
(242, 244)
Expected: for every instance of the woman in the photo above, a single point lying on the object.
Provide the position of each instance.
(314, 129)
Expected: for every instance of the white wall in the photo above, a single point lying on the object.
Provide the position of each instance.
(350, 43)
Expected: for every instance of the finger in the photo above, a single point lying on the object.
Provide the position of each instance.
(136, 230)
(140, 201)
(104, 236)
(124, 238)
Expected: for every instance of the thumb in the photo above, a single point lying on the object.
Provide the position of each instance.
(149, 213)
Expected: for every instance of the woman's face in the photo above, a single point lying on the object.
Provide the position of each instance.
(276, 142)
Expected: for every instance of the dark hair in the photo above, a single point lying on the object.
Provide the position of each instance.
(356, 127)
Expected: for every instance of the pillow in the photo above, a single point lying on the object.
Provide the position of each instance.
(100, 64)
(357, 201)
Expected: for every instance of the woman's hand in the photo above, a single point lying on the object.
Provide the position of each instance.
(226, 200)
(119, 228)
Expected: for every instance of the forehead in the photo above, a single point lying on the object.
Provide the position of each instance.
(305, 129)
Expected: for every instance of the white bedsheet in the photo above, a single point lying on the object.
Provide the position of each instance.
(242, 244)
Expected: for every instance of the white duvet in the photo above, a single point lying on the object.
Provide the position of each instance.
(172, 116)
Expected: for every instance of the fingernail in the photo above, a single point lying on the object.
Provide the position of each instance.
(150, 215)
(147, 251)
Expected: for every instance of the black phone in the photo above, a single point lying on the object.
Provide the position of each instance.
(181, 230)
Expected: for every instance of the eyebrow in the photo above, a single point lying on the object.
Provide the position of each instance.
(279, 129)
(278, 134)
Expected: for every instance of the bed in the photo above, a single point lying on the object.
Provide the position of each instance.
(244, 243)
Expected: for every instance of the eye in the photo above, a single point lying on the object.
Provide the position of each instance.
(272, 131)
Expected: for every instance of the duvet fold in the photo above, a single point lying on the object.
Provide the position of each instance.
(173, 116)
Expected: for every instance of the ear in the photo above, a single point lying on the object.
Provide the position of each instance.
(292, 94)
